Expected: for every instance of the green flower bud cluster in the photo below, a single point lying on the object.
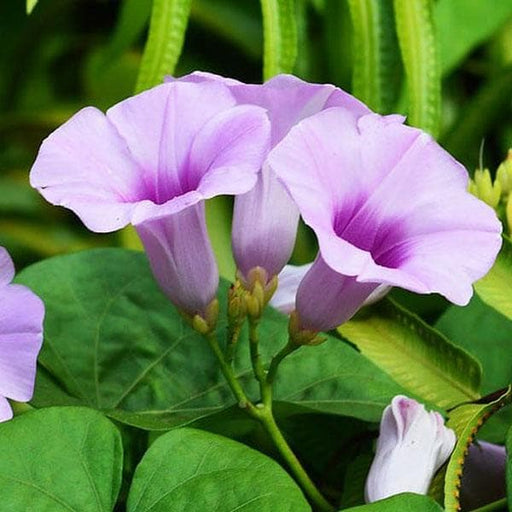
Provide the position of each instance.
(497, 193)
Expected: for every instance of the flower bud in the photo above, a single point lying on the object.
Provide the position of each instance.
(504, 174)
(413, 444)
(482, 187)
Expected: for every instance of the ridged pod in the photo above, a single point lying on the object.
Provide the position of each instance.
(169, 19)
(375, 53)
(279, 37)
(417, 39)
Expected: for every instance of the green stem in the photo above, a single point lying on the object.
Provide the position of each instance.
(495, 505)
(257, 365)
(230, 376)
(231, 342)
(263, 412)
(276, 360)
(269, 423)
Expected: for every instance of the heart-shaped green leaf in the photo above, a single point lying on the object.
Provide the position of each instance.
(63, 459)
(115, 343)
(189, 469)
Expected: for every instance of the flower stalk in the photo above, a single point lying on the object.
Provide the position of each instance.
(262, 412)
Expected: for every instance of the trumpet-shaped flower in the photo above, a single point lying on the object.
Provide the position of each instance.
(289, 280)
(389, 207)
(413, 444)
(265, 219)
(21, 336)
(151, 161)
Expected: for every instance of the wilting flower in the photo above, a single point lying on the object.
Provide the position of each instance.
(389, 207)
(21, 336)
(413, 444)
(151, 161)
(265, 219)
(483, 476)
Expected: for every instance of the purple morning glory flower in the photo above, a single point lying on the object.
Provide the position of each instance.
(413, 444)
(268, 242)
(289, 280)
(151, 161)
(21, 337)
(389, 207)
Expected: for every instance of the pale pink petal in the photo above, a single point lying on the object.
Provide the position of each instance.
(264, 226)
(6, 267)
(387, 203)
(5, 409)
(326, 299)
(160, 126)
(21, 336)
(288, 284)
(413, 444)
(181, 258)
(84, 165)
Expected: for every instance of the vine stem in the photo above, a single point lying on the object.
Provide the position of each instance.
(257, 365)
(229, 375)
(266, 418)
(263, 411)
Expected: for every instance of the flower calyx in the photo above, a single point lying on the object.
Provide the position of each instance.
(300, 336)
(483, 187)
(258, 290)
(205, 324)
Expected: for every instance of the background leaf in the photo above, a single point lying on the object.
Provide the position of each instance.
(495, 288)
(60, 459)
(187, 466)
(418, 357)
(463, 24)
(486, 334)
(114, 342)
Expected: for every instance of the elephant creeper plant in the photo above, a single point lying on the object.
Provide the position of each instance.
(388, 205)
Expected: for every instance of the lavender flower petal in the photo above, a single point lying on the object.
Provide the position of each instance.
(388, 205)
(413, 444)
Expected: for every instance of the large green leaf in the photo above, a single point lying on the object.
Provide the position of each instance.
(418, 357)
(496, 287)
(406, 502)
(486, 334)
(463, 24)
(114, 342)
(60, 459)
(188, 469)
